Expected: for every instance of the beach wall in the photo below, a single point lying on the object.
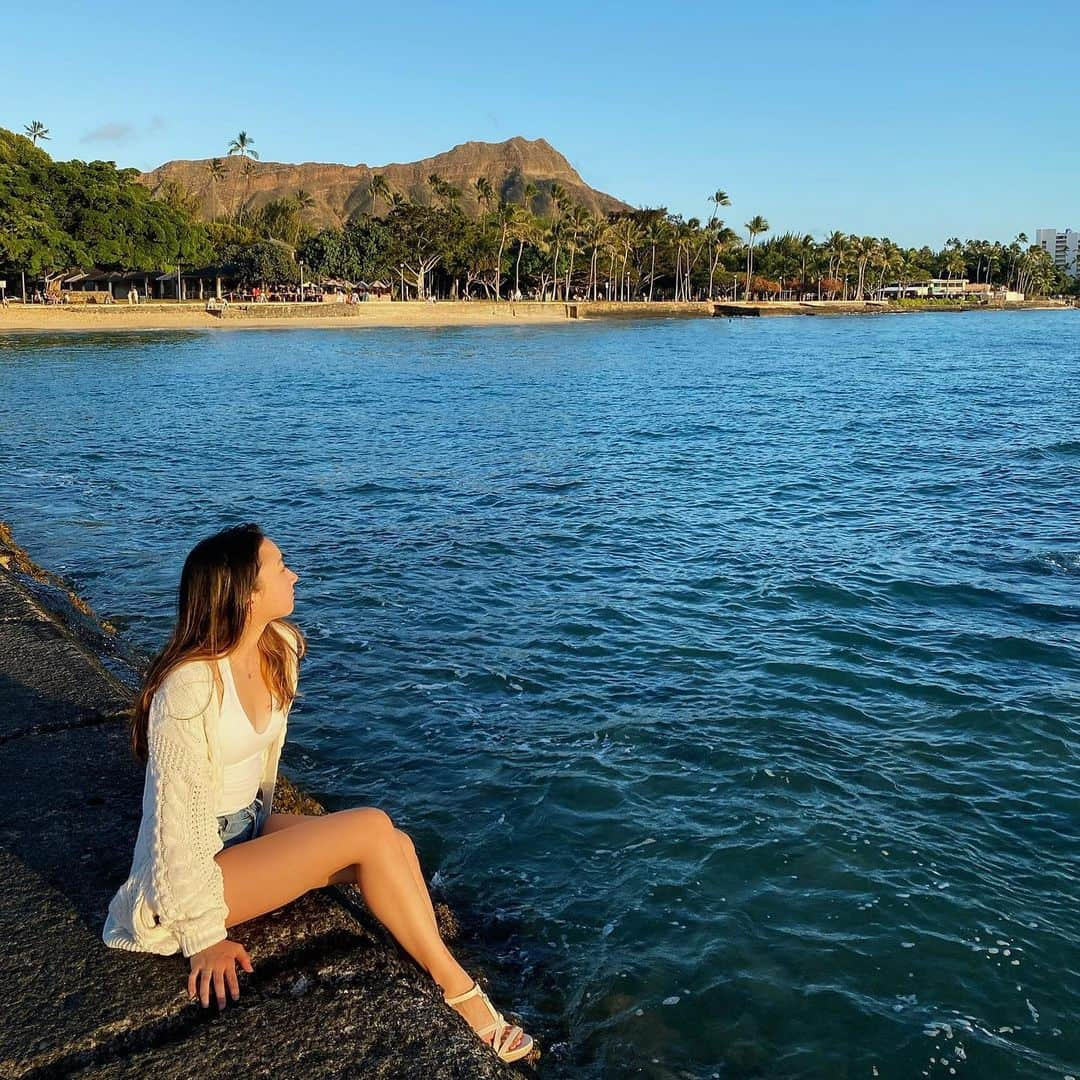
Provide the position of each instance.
(331, 995)
(638, 309)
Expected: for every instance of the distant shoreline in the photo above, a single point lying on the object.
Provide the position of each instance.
(193, 316)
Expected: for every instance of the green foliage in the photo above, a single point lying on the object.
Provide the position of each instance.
(57, 216)
(264, 262)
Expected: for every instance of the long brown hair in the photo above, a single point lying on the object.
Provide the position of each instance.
(217, 581)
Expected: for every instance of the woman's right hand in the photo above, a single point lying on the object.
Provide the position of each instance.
(217, 965)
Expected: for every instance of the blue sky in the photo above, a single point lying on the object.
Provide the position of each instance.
(916, 121)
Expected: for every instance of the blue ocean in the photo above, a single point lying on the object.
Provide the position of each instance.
(725, 672)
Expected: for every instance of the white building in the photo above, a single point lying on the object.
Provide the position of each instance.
(1063, 248)
(946, 288)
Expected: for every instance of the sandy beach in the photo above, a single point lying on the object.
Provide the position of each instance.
(193, 316)
(37, 318)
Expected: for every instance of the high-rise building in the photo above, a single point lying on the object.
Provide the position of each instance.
(1063, 248)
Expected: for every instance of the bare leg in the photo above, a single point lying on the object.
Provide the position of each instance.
(359, 846)
(277, 822)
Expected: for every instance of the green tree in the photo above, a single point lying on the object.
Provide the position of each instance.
(57, 217)
(215, 171)
(718, 199)
(657, 232)
(754, 227)
(36, 130)
(379, 188)
(243, 146)
(265, 263)
(719, 238)
(485, 193)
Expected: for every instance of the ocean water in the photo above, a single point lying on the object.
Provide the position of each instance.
(726, 673)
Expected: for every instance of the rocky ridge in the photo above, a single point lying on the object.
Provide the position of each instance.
(339, 191)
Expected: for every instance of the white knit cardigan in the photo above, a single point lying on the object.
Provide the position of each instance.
(174, 897)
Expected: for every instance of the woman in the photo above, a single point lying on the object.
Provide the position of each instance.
(210, 854)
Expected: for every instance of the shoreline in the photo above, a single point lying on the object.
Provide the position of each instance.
(330, 989)
(17, 319)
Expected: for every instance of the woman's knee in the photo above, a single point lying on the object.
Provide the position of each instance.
(407, 846)
(376, 826)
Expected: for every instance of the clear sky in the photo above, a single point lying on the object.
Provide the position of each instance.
(917, 121)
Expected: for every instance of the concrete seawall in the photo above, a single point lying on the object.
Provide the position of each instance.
(331, 995)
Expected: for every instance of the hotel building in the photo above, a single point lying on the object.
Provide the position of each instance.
(1063, 248)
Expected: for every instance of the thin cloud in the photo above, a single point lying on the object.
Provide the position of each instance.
(110, 133)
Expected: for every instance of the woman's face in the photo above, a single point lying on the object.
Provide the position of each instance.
(273, 596)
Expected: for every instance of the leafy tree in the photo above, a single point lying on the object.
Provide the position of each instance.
(755, 227)
(243, 146)
(719, 199)
(215, 171)
(265, 262)
(57, 217)
(37, 130)
(379, 188)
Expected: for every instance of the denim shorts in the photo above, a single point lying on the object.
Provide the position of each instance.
(239, 826)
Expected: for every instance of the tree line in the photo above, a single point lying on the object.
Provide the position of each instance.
(527, 240)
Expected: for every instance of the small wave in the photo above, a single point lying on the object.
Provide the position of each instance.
(1069, 448)
(1066, 448)
(370, 487)
(1058, 562)
(551, 485)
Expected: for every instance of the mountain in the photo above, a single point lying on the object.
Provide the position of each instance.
(339, 191)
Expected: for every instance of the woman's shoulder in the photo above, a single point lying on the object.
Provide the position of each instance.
(190, 675)
(189, 689)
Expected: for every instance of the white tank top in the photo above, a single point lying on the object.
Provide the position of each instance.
(241, 746)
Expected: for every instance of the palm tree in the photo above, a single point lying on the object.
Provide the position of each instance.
(505, 220)
(523, 230)
(685, 234)
(576, 219)
(528, 196)
(243, 146)
(656, 233)
(380, 189)
(557, 196)
(485, 193)
(437, 185)
(443, 189)
(595, 228)
(807, 251)
(866, 248)
(36, 130)
(836, 248)
(718, 236)
(215, 170)
(755, 227)
(304, 201)
(629, 234)
(249, 172)
(451, 194)
(718, 199)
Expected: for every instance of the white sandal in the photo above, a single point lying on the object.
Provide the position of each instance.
(503, 1033)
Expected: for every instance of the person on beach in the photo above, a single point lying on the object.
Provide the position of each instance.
(210, 853)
